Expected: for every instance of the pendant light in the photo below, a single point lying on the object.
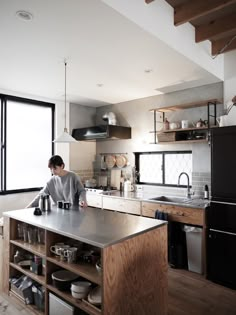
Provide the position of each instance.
(65, 137)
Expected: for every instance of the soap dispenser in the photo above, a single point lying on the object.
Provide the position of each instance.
(206, 192)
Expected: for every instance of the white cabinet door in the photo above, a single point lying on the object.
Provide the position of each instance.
(122, 205)
(94, 200)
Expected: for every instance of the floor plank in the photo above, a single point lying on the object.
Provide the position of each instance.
(189, 294)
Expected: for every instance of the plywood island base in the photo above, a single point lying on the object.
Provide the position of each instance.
(133, 254)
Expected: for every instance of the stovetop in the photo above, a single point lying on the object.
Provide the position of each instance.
(100, 189)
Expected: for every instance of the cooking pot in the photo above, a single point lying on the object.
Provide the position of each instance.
(174, 125)
(90, 183)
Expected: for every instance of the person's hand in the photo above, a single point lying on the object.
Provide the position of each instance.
(83, 204)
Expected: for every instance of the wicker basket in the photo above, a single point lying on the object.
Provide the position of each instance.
(166, 136)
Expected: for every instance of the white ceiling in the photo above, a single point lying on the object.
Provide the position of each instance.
(101, 47)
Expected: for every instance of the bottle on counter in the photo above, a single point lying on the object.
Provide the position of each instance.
(41, 203)
(122, 180)
(206, 192)
(47, 203)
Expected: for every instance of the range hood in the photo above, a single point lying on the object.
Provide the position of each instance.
(102, 132)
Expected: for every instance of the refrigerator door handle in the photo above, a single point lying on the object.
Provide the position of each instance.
(223, 232)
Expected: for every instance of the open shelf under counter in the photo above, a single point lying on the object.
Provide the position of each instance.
(83, 269)
(37, 249)
(40, 279)
(32, 308)
(82, 304)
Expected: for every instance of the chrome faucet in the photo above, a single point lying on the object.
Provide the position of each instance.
(188, 188)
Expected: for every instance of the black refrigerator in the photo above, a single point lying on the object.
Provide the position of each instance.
(221, 213)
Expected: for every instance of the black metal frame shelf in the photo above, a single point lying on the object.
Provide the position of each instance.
(209, 103)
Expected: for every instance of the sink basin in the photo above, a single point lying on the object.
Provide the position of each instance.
(171, 199)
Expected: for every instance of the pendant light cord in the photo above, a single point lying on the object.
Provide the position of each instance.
(65, 129)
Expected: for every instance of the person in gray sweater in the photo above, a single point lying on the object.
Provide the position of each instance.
(63, 185)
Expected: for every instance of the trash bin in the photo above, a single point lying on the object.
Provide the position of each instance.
(194, 248)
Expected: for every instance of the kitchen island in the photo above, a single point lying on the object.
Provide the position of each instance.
(133, 254)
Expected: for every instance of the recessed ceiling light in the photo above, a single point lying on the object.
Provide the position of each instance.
(148, 70)
(24, 15)
(99, 85)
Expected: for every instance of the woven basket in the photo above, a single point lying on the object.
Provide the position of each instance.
(165, 137)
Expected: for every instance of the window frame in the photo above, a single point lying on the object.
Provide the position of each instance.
(4, 98)
(163, 153)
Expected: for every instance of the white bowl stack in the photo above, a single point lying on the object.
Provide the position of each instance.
(80, 289)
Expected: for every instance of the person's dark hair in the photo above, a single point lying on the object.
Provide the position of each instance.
(54, 161)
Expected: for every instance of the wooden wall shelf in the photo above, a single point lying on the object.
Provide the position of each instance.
(164, 110)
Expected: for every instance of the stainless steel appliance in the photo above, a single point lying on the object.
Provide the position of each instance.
(99, 190)
(58, 307)
(221, 214)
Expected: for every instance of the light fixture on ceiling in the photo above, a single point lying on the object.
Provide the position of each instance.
(65, 137)
(24, 15)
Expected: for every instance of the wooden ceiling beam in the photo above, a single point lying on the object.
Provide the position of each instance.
(148, 1)
(217, 29)
(191, 10)
(218, 45)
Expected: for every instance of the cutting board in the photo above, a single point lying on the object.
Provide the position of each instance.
(115, 178)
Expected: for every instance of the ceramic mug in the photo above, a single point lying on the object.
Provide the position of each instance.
(71, 254)
(58, 248)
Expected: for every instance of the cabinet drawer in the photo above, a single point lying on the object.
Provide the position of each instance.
(175, 213)
(122, 205)
(94, 200)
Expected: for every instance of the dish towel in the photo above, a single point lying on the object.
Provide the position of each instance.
(161, 215)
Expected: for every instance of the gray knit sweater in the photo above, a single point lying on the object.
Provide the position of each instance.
(67, 188)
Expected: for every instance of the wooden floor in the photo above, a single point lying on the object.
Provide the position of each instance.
(189, 294)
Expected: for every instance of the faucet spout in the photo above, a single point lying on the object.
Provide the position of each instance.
(188, 187)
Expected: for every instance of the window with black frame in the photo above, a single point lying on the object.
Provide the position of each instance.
(27, 132)
(163, 168)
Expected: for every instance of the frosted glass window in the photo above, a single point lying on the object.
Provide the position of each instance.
(174, 165)
(29, 145)
(163, 168)
(150, 168)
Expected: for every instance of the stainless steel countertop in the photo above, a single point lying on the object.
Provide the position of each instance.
(144, 196)
(93, 226)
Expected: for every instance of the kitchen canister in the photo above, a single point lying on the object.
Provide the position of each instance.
(184, 124)
(128, 186)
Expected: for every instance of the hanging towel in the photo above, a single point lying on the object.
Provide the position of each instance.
(161, 215)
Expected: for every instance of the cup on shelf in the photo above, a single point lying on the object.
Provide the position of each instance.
(58, 248)
(20, 233)
(32, 235)
(25, 233)
(71, 254)
(184, 124)
(41, 236)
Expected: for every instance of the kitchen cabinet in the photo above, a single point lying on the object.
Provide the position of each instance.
(175, 213)
(94, 200)
(122, 240)
(187, 135)
(121, 205)
(183, 215)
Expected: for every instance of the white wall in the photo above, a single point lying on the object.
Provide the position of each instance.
(136, 114)
(82, 154)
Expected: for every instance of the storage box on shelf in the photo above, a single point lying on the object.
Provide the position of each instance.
(185, 135)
